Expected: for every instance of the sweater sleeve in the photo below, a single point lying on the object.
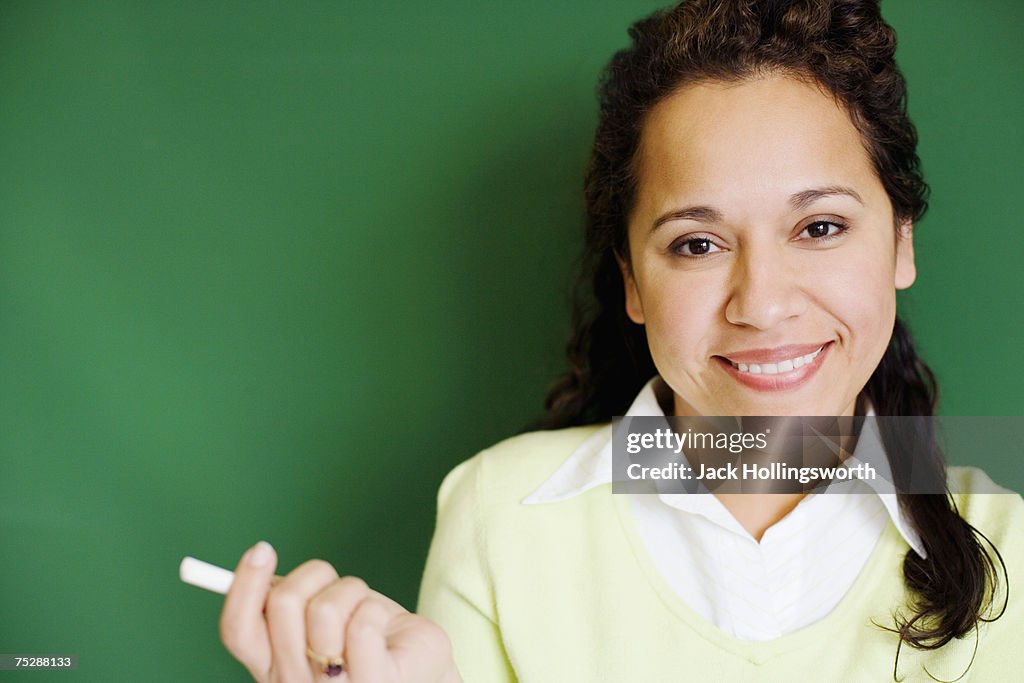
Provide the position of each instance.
(1001, 519)
(456, 591)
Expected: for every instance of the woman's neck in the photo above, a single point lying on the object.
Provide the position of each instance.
(755, 512)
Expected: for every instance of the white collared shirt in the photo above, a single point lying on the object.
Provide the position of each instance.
(799, 571)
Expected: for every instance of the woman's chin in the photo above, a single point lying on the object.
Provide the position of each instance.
(773, 405)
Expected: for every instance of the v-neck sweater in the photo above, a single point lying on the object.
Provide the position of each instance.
(567, 592)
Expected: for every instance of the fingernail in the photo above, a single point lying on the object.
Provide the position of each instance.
(261, 554)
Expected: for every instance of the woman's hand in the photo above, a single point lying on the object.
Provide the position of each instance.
(269, 622)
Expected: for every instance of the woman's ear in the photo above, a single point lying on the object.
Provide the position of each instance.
(634, 309)
(906, 272)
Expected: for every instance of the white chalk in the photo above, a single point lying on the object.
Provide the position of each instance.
(205, 575)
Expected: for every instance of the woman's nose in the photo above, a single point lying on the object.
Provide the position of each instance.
(765, 290)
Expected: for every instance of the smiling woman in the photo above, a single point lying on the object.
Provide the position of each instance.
(772, 290)
(751, 201)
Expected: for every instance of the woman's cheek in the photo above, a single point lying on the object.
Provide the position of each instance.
(865, 304)
(681, 318)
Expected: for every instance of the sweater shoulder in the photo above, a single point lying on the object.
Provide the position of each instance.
(972, 480)
(998, 514)
(979, 498)
(512, 469)
(995, 511)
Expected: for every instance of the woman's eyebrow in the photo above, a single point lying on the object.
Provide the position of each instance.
(703, 214)
(802, 199)
(799, 200)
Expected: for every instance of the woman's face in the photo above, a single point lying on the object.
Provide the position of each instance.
(763, 256)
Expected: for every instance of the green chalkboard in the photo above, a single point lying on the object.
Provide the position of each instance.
(269, 270)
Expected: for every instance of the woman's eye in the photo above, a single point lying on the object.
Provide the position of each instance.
(695, 246)
(824, 230)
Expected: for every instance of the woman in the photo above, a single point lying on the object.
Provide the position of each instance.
(751, 199)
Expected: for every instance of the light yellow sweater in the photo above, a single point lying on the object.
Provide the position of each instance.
(565, 591)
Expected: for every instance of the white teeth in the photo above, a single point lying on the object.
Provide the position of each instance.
(777, 368)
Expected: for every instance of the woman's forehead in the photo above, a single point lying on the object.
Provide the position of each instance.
(761, 139)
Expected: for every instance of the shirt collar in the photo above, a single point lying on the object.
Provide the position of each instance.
(590, 466)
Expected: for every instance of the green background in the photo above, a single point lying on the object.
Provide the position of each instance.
(269, 270)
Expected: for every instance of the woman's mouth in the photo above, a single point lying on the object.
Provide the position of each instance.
(778, 368)
(781, 375)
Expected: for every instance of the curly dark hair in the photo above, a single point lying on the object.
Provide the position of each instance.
(847, 49)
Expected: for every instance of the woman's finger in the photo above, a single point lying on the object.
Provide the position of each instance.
(286, 618)
(391, 604)
(328, 613)
(243, 628)
(366, 648)
(419, 647)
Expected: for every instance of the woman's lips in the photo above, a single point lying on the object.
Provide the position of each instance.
(793, 367)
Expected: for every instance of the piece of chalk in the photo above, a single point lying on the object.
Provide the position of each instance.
(205, 575)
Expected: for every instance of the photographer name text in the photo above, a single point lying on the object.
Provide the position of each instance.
(750, 472)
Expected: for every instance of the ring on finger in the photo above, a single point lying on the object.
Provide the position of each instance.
(331, 666)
